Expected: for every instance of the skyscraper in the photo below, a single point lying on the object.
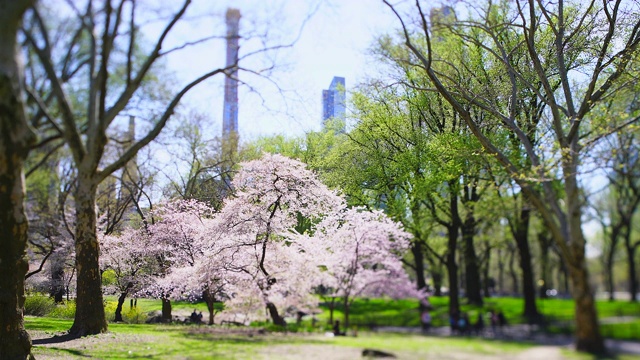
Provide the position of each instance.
(230, 111)
(334, 100)
(441, 17)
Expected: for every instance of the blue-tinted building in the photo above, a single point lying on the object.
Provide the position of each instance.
(230, 110)
(334, 100)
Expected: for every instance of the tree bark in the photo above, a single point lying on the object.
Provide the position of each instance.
(346, 313)
(631, 260)
(166, 310)
(500, 272)
(16, 137)
(275, 317)
(418, 259)
(608, 264)
(121, 298)
(452, 273)
(436, 275)
(512, 273)
(588, 336)
(473, 283)
(57, 281)
(452, 245)
(332, 306)
(545, 243)
(90, 317)
(210, 299)
(521, 235)
(485, 273)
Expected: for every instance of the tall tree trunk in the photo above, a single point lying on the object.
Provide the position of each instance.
(545, 243)
(210, 299)
(275, 316)
(121, 298)
(609, 258)
(513, 273)
(15, 140)
(418, 259)
(166, 309)
(631, 263)
(90, 317)
(521, 235)
(332, 306)
(500, 272)
(588, 337)
(485, 272)
(473, 283)
(346, 313)
(563, 277)
(57, 280)
(452, 273)
(436, 276)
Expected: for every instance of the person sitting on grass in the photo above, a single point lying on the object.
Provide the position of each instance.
(194, 317)
(336, 329)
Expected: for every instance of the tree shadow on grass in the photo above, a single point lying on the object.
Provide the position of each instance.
(74, 352)
(55, 339)
(248, 336)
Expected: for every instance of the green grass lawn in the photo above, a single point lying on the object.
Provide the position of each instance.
(148, 305)
(126, 341)
(388, 312)
(366, 313)
(193, 342)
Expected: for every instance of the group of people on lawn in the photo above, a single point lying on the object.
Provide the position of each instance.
(195, 317)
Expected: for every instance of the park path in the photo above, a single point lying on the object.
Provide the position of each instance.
(324, 352)
(545, 352)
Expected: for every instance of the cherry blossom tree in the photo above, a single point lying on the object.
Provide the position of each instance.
(209, 277)
(363, 256)
(273, 196)
(174, 234)
(131, 256)
(281, 235)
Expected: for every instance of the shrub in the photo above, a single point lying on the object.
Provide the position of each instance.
(129, 315)
(134, 316)
(110, 310)
(66, 310)
(38, 304)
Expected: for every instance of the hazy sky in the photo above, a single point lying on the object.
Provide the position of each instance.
(333, 42)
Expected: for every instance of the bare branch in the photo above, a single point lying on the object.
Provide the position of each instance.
(153, 133)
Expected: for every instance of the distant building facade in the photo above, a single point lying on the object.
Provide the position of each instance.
(441, 17)
(230, 111)
(334, 100)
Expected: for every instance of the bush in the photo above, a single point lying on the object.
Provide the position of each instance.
(134, 316)
(129, 315)
(66, 310)
(38, 304)
(110, 310)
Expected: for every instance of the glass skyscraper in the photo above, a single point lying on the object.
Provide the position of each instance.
(334, 100)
